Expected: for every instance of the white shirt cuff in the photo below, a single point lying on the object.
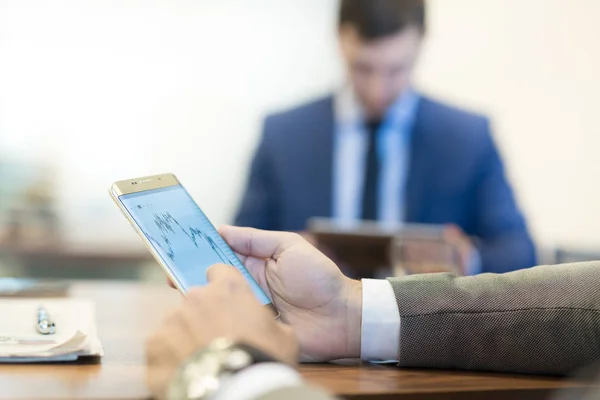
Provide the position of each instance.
(258, 380)
(380, 330)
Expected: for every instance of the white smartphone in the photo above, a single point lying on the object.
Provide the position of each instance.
(178, 234)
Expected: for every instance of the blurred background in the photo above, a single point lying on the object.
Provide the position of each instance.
(92, 91)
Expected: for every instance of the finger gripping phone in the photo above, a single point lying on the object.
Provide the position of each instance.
(176, 231)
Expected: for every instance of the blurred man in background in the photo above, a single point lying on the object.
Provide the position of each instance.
(380, 150)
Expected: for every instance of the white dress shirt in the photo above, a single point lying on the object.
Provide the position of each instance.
(380, 329)
(350, 152)
(380, 337)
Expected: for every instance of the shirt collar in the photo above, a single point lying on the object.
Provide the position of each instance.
(347, 107)
(349, 111)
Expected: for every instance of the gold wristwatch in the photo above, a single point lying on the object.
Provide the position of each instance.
(204, 373)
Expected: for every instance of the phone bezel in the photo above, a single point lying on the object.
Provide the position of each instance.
(137, 185)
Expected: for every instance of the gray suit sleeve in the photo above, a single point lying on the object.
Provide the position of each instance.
(297, 393)
(543, 320)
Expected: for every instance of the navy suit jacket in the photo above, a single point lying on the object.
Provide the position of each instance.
(455, 176)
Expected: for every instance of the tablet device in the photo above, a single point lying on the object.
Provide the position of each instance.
(365, 246)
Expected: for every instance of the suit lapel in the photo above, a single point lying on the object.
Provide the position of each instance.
(320, 165)
(418, 164)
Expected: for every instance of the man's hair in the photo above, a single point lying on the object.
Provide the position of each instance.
(376, 19)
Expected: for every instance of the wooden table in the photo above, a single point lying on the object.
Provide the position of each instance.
(126, 312)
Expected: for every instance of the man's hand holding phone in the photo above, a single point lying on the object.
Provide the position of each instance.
(323, 306)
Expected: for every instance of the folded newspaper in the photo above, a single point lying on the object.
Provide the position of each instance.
(75, 335)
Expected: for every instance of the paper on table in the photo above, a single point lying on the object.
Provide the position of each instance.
(75, 330)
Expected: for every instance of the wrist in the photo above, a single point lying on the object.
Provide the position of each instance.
(353, 298)
(204, 373)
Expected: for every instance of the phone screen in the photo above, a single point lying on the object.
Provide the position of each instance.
(182, 235)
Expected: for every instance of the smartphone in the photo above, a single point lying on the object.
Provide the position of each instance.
(178, 234)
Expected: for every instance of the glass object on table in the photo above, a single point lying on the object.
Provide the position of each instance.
(423, 255)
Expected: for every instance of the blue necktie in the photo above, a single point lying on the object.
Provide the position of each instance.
(371, 181)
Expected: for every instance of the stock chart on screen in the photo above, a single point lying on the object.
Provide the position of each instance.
(182, 235)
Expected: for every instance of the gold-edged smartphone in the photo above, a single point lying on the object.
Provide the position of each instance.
(178, 234)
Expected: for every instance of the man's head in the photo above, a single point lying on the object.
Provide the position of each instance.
(380, 42)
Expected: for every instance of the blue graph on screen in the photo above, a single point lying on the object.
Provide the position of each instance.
(166, 223)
